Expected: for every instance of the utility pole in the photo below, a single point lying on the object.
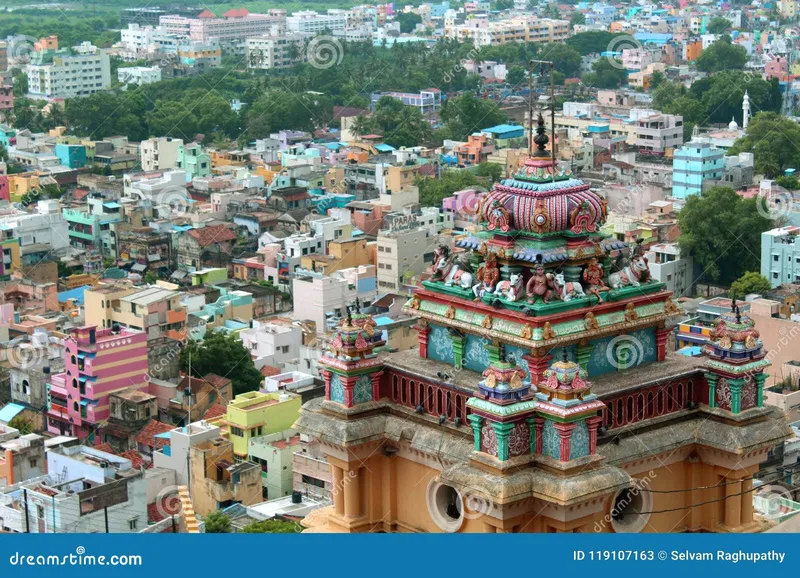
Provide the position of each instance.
(105, 515)
(27, 515)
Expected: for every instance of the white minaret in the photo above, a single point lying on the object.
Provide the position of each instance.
(745, 110)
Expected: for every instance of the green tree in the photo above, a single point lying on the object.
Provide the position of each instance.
(592, 42)
(576, 18)
(223, 354)
(722, 95)
(718, 230)
(408, 21)
(656, 80)
(718, 25)
(272, 527)
(566, 59)
(492, 171)
(465, 114)
(722, 55)
(399, 124)
(788, 182)
(217, 523)
(21, 424)
(750, 282)
(771, 138)
(433, 190)
(607, 73)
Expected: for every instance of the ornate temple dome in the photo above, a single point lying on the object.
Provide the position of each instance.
(565, 375)
(735, 331)
(543, 198)
(355, 337)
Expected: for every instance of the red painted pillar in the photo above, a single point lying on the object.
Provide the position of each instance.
(661, 343)
(326, 375)
(593, 423)
(424, 331)
(537, 367)
(565, 433)
(376, 385)
(539, 429)
(349, 384)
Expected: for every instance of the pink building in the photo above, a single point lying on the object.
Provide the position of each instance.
(777, 67)
(5, 187)
(97, 363)
(6, 97)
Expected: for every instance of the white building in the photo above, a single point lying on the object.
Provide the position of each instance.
(81, 71)
(181, 440)
(137, 42)
(46, 226)
(403, 254)
(272, 343)
(316, 298)
(668, 266)
(106, 494)
(268, 52)
(314, 22)
(158, 154)
(335, 227)
(483, 32)
(139, 75)
(160, 187)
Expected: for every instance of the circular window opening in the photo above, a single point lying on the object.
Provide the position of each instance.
(445, 506)
(630, 511)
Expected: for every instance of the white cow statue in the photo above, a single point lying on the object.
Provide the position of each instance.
(511, 289)
(634, 274)
(568, 291)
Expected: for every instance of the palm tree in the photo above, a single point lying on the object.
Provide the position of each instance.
(360, 126)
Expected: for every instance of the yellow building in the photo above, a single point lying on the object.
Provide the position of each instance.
(255, 414)
(21, 184)
(401, 177)
(216, 482)
(341, 255)
(156, 310)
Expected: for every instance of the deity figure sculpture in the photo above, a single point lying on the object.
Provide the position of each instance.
(488, 276)
(498, 217)
(593, 275)
(541, 286)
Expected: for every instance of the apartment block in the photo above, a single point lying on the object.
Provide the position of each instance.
(780, 255)
(97, 362)
(402, 255)
(79, 71)
(159, 153)
(268, 52)
(256, 414)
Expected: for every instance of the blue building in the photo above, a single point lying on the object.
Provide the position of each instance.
(780, 255)
(693, 163)
(71, 155)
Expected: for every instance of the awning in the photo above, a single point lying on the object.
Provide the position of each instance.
(179, 274)
(139, 267)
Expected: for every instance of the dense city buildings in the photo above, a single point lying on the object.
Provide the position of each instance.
(431, 268)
